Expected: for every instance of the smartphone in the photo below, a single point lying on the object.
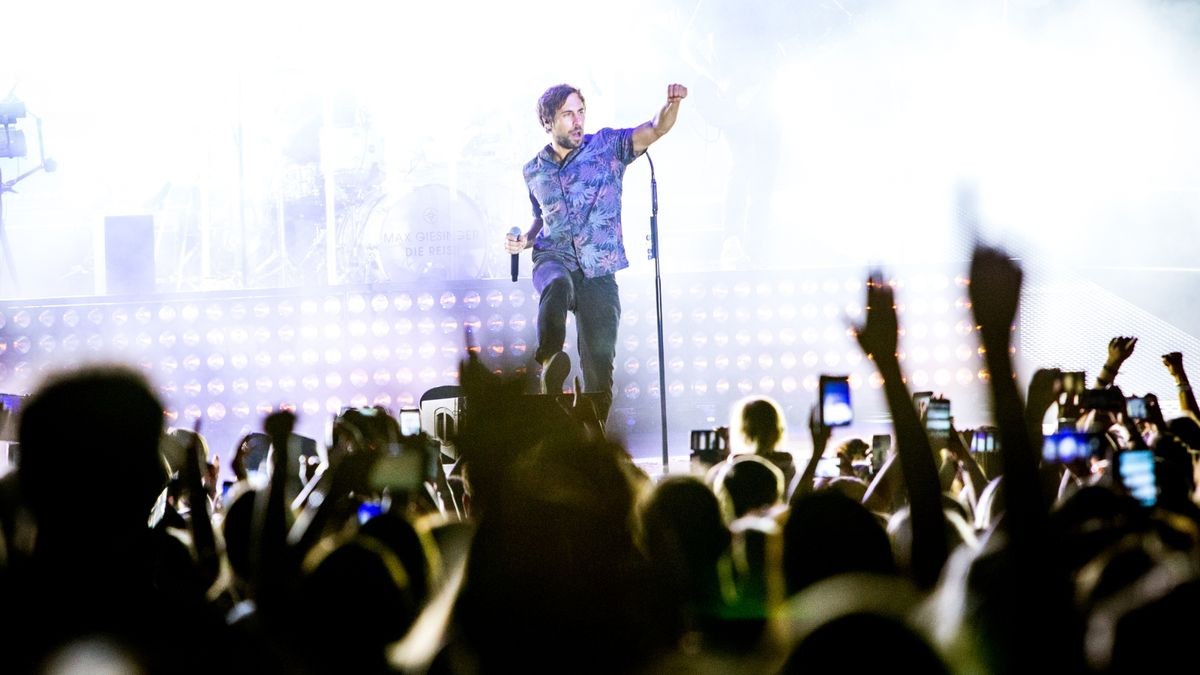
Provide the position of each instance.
(1073, 382)
(410, 422)
(1135, 470)
(835, 401)
(1066, 446)
(921, 399)
(1109, 400)
(984, 440)
(368, 510)
(10, 405)
(401, 472)
(1135, 408)
(937, 422)
(881, 445)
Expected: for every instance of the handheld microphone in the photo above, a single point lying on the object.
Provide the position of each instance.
(515, 232)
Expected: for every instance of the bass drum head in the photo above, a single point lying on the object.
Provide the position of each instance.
(429, 233)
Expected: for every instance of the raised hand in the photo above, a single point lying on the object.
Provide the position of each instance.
(995, 292)
(878, 335)
(1120, 349)
(1174, 363)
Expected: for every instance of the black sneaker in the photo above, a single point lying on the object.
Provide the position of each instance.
(554, 373)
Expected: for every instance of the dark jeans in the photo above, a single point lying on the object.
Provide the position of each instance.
(597, 306)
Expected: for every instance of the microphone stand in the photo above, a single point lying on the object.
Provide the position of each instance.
(652, 254)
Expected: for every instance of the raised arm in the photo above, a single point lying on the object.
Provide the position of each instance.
(648, 132)
(1119, 349)
(878, 339)
(1187, 400)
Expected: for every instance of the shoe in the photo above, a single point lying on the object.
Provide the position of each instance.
(554, 373)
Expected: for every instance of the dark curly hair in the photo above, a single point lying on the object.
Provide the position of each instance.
(549, 102)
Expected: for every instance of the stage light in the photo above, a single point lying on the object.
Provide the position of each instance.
(942, 377)
(240, 386)
(310, 357)
(192, 388)
(310, 382)
(720, 339)
(358, 378)
(285, 309)
(426, 351)
(214, 312)
(765, 361)
(426, 326)
(95, 316)
(766, 384)
(46, 318)
(287, 384)
(356, 303)
(119, 317)
(380, 328)
(425, 302)
(95, 342)
(239, 361)
(450, 325)
(471, 299)
(381, 352)
(402, 302)
(743, 361)
(742, 316)
(404, 351)
(428, 374)
(720, 314)
(722, 386)
(312, 407)
(495, 323)
(120, 342)
(263, 384)
(237, 312)
(215, 387)
(632, 391)
(382, 400)
(358, 401)
(69, 344)
(404, 376)
(333, 405)
(699, 388)
(919, 378)
(331, 331)
(262, 359)
(171, 415)
(46, 344)
(308, 307)
(333, 356)
(190, 338)
(700, 364)
(519, 348)
(286, 358)
(832, 359)
(381, 377)
(765, 337)
(447, 300)
(215, 361)
(450, 351)
(215, 337)
(721, 362)
(789, 384)
(964, 376)
(518, 323)
(744, 386)
(240, 409)
(699, 340)
(358, 353)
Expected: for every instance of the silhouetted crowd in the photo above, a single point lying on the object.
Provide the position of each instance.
(1063, 539)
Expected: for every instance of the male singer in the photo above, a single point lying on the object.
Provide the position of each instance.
(575, 188)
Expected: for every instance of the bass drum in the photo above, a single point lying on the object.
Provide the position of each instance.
(430, 233)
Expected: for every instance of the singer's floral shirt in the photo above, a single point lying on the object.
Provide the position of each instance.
(579, 202)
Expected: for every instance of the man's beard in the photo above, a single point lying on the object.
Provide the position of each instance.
(567, 142)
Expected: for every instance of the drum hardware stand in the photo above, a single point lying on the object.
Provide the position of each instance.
(10, 111)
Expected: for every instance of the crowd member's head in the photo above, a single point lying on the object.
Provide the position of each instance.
(826, 534)
(762, 425)
(92, 434)
(746, 484)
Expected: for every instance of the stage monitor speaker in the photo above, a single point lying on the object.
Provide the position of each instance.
(129, 254)
(441, 408)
